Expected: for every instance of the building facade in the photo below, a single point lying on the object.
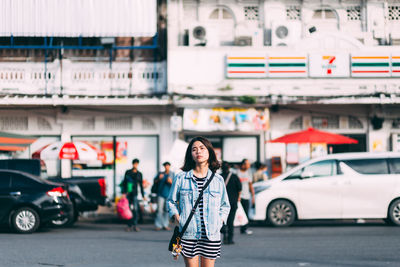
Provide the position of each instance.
(331, 65)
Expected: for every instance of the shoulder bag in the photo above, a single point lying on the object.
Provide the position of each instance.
(175, 245)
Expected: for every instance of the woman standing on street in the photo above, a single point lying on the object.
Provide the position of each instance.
(202, 239)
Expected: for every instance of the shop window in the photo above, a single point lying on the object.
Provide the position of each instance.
(148, 124)
(13, 123)
(297, 123)
(293, 13)
(251, 12)
(235, 149)
(353, 13)
(89, 124)
(355, 123)
(331, 122)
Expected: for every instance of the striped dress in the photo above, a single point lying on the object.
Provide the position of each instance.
(202, 247)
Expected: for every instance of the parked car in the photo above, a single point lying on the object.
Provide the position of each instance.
(337, 186)
(27, 201)
(86, 193)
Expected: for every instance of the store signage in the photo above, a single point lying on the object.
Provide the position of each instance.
(221, 119)
(329, 65)
(319, 65)
(287, 66)
(396, 65)
(246, 66)
(367, 65)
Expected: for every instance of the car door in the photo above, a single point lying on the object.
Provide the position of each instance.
(366, 193)
(6, 201)
(319, 191)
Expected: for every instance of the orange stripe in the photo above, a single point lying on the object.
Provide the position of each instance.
(246, 71)
(370, 71)
(288, 71)
(370, 57)
(287, 58)
(396, 57)
(246, 57)
(12, 148)
(395, 70)
(326, 57)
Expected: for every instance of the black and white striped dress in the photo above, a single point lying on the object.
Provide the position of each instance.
(202, 247)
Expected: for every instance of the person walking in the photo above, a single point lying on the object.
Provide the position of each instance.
(233, 187)
(164, 182)
(261, 172)
(247, 194)
(201, 241)
(129, 186)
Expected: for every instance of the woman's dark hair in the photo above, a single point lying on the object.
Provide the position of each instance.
(190, 164)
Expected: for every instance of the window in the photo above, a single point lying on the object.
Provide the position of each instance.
(251, 12)
(4, 180)
(325, 122)
(320, 169)
(394, 165)
(394, 12)
(355, 123)
(221, 13)
(18, 180)
(297, 123)
(324, 14)
(368, 166)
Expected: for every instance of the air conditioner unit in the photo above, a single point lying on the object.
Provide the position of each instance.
(285, 33)
(203, 35)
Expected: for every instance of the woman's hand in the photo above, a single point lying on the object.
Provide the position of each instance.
(177, 218)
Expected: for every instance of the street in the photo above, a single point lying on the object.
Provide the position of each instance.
(99, 242)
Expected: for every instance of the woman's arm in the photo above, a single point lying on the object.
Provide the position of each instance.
(225, 206)
(173, 198)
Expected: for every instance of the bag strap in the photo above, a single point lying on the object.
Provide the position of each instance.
(228, 178)
(195, 205)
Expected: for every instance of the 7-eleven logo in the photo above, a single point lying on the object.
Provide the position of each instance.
(329, 63)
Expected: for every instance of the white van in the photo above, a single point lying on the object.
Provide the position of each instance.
(336, 186)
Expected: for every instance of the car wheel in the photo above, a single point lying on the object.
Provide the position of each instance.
(25, 220)
(67, 221)
(281, 213)
(394, 212)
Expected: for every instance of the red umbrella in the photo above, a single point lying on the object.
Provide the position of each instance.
(312, 135)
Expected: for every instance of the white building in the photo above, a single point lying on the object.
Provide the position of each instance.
(331, 65)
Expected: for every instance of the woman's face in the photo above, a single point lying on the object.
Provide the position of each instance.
(199, 152)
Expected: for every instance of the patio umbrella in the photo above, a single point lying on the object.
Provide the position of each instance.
(69, 150)
(312, 135)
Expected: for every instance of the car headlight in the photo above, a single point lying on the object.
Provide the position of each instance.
(261, 188)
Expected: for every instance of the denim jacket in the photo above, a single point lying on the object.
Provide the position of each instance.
(182, 197)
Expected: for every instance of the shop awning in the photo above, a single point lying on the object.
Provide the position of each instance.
(15, 142)
(75, 18)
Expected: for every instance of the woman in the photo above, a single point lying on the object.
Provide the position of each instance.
(202, 239)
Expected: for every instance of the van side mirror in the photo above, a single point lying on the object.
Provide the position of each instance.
(307, 174)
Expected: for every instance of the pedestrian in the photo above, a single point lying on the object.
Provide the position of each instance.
(247, 197)
(261, 172)
(164, 182)
(233, 187)
(129, 186)
(201, 242)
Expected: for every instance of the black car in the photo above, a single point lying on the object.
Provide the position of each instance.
(27, 201)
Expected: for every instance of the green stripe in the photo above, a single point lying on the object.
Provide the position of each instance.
(396, 64)
(287, 64)
(246, 65)
(370, 64)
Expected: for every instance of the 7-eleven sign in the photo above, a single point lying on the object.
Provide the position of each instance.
(329, 65)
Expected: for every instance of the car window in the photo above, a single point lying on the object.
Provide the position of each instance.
(295, 175)
(394, 165)
(320, 169)
(18, 180)
(368, 166)
(4, 180)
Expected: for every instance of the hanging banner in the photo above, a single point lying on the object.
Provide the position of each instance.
(221, 119)
(329, 65)
(286, 65)
(396, 65)
(367, 65)
(246, 66)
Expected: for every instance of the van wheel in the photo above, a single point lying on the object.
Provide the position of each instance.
(281, 213)
(394, 212)
(25, 220)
